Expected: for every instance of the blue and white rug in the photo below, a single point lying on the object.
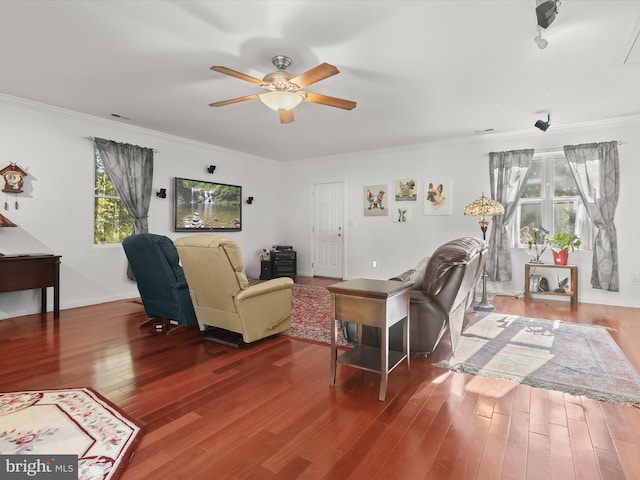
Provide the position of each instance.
(569, 357)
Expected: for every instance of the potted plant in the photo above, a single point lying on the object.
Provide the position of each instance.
(536, 243)
(560, 245)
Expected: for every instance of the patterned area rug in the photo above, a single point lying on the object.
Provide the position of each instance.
(311, 315)
(73, 422)
(569, 357)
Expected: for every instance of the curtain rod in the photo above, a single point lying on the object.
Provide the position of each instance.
(555, 149)
(89, 137)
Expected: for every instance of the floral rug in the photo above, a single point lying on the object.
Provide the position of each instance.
(311, 315)
(569, 357)
(75, 421)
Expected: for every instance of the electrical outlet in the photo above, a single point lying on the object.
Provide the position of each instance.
(374, 264)
(635, 277)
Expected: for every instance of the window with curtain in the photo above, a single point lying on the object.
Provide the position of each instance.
(112, 222)
(551, 200)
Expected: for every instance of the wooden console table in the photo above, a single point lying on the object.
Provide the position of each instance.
(26, 272)
(573, 279)
(378, 303)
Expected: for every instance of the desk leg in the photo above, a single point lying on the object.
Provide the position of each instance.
(43, 300)
(334, 341)
(407, 349)
(56, 291)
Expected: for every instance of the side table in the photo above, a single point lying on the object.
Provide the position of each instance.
(378, 303)
(573, 293)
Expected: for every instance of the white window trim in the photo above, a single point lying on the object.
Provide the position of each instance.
(585, 233)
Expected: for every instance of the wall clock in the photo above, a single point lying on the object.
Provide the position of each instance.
(13, 178)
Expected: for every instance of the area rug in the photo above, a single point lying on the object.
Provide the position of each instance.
(75, 421)
(311, 315)
(568, 357)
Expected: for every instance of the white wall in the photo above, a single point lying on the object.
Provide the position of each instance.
(398, 246)
(56, 209)
(55, 212)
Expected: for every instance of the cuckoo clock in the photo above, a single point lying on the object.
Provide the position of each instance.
(13, 178)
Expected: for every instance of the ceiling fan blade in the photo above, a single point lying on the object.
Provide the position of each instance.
(322, 71)
(241, 76)
(286, 116)
(234, 100)
(330, 101)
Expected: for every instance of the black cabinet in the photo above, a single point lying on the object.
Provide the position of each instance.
(265, 269)
(283, 263)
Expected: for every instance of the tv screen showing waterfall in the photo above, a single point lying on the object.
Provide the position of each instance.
(207, 206)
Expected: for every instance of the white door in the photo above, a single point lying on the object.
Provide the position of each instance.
(328, 232)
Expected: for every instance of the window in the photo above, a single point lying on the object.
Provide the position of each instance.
(112, 223)
(551, 201)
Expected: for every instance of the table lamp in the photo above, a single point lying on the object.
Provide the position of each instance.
(484, 207)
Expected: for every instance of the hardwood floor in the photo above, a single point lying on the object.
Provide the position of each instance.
(266, 410)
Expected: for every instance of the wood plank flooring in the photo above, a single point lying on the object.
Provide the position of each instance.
(266, 410)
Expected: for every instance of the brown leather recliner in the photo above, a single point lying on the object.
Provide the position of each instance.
(443, 288)
(442, 294)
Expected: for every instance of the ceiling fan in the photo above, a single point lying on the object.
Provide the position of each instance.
(282, 89)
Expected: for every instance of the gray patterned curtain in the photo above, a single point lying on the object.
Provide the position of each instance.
(507, 173)
(130, 169)
(595, 169)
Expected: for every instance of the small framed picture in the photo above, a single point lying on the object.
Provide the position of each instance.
(375, 200)
(437, 197)
(401, 214)
(406, 190)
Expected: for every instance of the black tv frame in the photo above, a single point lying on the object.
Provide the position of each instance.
(218, 206)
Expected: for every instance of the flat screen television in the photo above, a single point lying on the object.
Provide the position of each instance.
(206, 206)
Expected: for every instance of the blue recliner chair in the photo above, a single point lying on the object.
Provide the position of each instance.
(163, 288)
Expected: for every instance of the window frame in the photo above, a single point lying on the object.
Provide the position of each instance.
(548, 200)
(115, 198)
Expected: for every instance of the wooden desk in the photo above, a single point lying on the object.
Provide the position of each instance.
(378, 303)
(573, 270)
(25, 272)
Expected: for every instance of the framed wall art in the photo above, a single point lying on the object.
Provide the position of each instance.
(406, 190)
(401, 214)
(437, 197)
(207, 206)
(375, 200)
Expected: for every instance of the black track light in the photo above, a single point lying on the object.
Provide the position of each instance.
(542, 125)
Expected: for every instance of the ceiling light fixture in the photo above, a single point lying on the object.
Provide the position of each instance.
(542, 125)
(541, 42)
(277, 100)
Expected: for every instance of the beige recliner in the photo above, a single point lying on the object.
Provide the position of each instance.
(221, 294)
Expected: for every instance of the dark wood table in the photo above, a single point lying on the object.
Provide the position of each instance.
(377, 303)
(30, 271)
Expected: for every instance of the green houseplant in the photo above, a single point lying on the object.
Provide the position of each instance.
(560, 244)
(536, 243)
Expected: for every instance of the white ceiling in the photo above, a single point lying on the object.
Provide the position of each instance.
(420, 71)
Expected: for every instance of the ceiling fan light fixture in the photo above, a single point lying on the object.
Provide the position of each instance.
(280, 100)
